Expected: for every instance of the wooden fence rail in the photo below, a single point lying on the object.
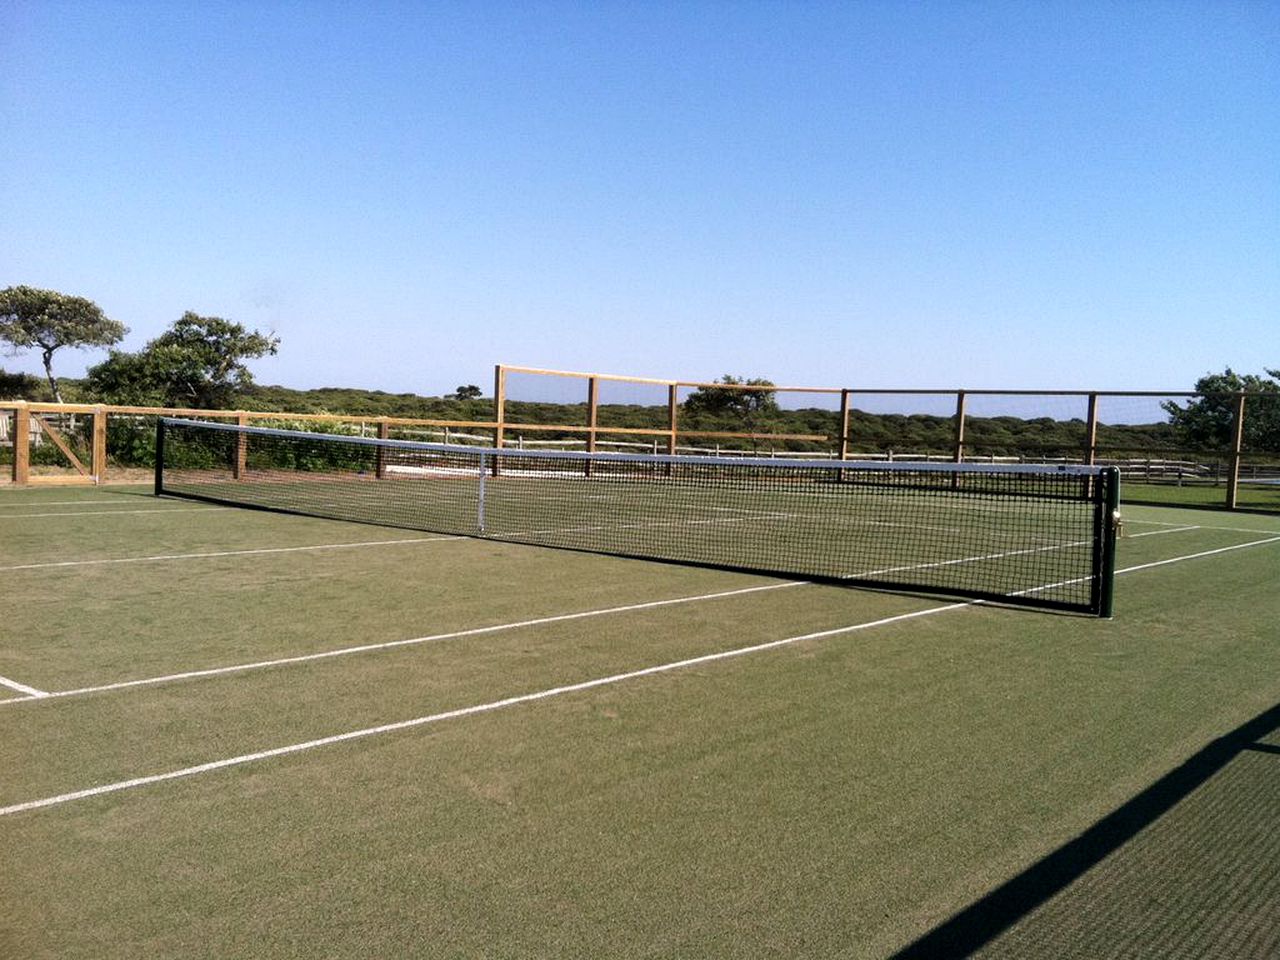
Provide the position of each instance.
(34, 419)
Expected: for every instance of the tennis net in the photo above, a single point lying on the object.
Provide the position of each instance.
(1036, 535)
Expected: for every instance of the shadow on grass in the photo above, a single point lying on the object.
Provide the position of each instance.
(1265, 508)
(981, 922)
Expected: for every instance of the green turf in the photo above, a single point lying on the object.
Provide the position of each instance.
(842, 796)
(1249, 496)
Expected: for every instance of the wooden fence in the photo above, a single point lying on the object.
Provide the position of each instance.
(89, 466)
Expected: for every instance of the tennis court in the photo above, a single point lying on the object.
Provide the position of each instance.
(231, 732)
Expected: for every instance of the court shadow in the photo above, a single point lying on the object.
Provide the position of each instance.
(1184, 875)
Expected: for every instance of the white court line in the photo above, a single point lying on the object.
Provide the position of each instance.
(1011, 553)
(1205, 553)
(31, 692)
(461, 712)
(62, 503)
(1200, 526)
(596, 528)
(107, 513)
(223, 553)
(412, 641)
(974, 559)
(526, 698)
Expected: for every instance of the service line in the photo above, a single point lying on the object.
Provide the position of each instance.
(1200, 526)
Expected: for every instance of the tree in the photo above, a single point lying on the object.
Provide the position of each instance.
(48, 320)
(740, 403)
(198, 362)
(1207, 421)
(468, 392)
(136, 379)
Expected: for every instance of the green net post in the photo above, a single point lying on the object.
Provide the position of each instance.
(1110, 532)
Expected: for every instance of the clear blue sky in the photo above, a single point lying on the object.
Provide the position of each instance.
(1073, 195)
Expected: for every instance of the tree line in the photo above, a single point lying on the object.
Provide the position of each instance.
(197, 362)
(202, 362)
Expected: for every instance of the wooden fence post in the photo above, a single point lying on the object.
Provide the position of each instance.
(499, 415)
(958, 453)
(1091, 431)
(242, 447)
(1237, 448)
(844, 425)
(673, 413)
(98, 462)
(384, 433)
(593, 410)
(21, 445)
(499, 404)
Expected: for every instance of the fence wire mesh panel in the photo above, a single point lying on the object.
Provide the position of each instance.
(1036, 535)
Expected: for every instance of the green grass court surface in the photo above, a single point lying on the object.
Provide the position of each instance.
(230, 733)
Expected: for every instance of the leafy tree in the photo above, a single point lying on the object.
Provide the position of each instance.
(468, 392)
(743, 404)
(198, 362)
(48, 321)
(1207, 420)
(137, 379)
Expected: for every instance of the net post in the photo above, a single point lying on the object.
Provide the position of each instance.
(1110, 531)
(159, 488)
(21, 445)
(1237, 448)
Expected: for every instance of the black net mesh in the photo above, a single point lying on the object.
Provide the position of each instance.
(1021, 534)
